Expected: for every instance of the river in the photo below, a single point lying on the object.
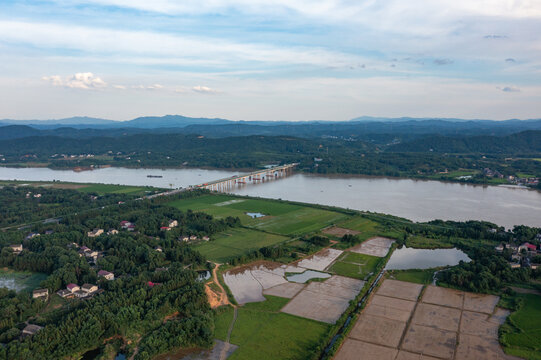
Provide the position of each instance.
(417, 200)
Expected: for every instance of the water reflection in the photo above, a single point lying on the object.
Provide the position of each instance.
(409, 258)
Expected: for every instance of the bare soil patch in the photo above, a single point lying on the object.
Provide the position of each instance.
(435, 316)
(378, 246)
(400, 289)
(287, 290)
(499, 316)
(324, 301)
(477, 324)
(430, 341)
(354, 349)
(378, 330)
(391, 308)
(339, 232)
(405, 355)
(480, 302)
(476, 347)
(443, 296)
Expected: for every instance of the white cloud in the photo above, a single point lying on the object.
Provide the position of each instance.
(204, 90)
(120, 87)
(508, 88)
(84, 81)
(155, 87)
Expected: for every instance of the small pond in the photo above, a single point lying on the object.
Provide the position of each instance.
(307, 275)
(410, 258)
(255, 215)
(203, 275)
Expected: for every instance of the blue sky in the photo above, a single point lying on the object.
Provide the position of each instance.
(270, 60)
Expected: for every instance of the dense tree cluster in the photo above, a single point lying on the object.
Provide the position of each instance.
(155, 294)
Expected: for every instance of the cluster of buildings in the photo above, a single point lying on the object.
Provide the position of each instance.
(492, 173)
(187, 238)
(17, 248)
(521, 255)
(74, 290)
(529, 181)
(171, 224)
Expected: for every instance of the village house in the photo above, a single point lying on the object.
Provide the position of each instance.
(499, 248)
(514, 265)
(31, 329)
(64, 293)
(185, 238)
(165, 228)
(173, 223)
(31, 236)
(73, 287)
(95, 233)
(106, 275)
(527, 247)
(17, 248)
(112, 232)
(49, 232)
(206, 238)
(131, 227)
(89, 288)
(158, 248)
(40, 293)
(193, 237)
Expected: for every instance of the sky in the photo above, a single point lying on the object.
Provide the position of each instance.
(270, 59)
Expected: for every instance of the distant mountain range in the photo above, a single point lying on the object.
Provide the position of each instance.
(379, 131)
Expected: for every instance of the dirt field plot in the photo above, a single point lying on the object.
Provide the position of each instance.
(378, 330)
(324, 301)
(320, 260)
(400, 289)
(378, 246)
(404, 355)
(339, 232)
(476, 347)
(480, 302)
(287, 290)
(390, 308)
(441, 326)
(437, 317)
(473, 323)
(430, 341)
(353, 349)
(443, 296)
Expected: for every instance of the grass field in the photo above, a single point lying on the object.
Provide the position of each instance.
(282, 218)
(224, 316)
(20, 280)
(102, 189)
(235, 242)
(298, 222)
(355, 265)
(523, 337)
(420, 242)
(359, 223)
(262, 332)
(415, 276)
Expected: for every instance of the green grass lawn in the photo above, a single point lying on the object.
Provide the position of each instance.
(235, 242)
(20, 280)
(262, 332)
(420, 242)
(301, 221)
(522, 332)
(222, 321)
(415, 276)
(355, 265)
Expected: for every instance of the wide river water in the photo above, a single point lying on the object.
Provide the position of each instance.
(417, 200)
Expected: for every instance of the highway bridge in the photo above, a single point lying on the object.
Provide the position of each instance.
(254, 177)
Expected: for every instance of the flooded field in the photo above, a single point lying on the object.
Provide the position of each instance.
(442, 325)
(378, 246)
(255, 215)
(308, 275)
(321, 260)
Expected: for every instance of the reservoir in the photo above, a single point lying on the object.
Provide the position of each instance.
(409, 258)
(417, 200)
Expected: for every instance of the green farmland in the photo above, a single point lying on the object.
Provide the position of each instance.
(521, 335)
(262, 332)
(355, 265)
(415, 276)
(235, 242)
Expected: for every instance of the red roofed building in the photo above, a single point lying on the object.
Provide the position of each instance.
(527, 246)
